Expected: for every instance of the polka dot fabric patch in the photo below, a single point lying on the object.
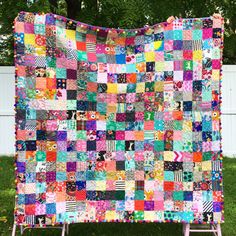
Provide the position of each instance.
(118, 125)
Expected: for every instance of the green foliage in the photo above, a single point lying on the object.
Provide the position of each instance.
(119, 13)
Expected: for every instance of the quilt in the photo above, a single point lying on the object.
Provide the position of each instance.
(117, 125)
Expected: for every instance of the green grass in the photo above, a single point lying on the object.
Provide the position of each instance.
(7, 195)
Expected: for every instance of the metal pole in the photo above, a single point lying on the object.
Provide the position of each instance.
(13, 229)
(63, 230)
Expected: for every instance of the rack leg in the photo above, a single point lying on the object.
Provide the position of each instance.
(21, 229)
(218, 230)
(67, 229)
(13, 229)
(63, 230)
(187, 230)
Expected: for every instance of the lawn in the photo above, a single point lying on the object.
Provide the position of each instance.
(7, 205)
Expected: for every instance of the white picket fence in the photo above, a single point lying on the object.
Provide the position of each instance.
(7, 93)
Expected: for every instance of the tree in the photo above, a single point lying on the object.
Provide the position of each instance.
(119, 13)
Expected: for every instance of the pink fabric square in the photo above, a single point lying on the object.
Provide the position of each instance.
(159, 56)
(139, 156)
(177, 135)
(167, 116)
(29, 28)
(81, 166)
(81, 145)
(61, 63)
(187, 34)
(51, 125)
(207, 33)
(216, 23)
(178, 155)
(187, 86)
(19, 27)
(40, 209)
(100, 48)
(139, 116)
(111, 98)
(120, 135)
(92, 57)
(187, 157)
(129, 41)
(149, 125)
(100, 205)
(110, 185)
(101, 145)
(139, 175)
(71, 64)
(159, 205)
(130, 97)
(215, 125)
(101, 97)
(110, 165)
(206, 146)
(178, 186)
(129, 135)
(168, 45)
(215, 64)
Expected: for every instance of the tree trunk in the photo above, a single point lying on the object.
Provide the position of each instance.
(73, 8)
(53, 6)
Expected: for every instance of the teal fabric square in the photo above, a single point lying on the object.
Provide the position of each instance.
(82, 56)
(61, 176)
(168, 175)
(159, 125)
(197, 34)
(178, 35)
(178, 196)
(61, 156)
(61, 73)
(178, 145)
(130, 68)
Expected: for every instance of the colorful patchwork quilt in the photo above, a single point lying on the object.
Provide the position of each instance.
(117, 125)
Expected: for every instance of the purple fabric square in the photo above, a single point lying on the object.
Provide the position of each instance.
(91, 125)
(71, 166)
(20, 167)
(50, 20)
(178, 65)
(51, 176)
(217, 206)
(178, 45)
(120, 156)
(61, 146)
(148, 205)
(30, 199)
(188, 75)
(61, 135)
